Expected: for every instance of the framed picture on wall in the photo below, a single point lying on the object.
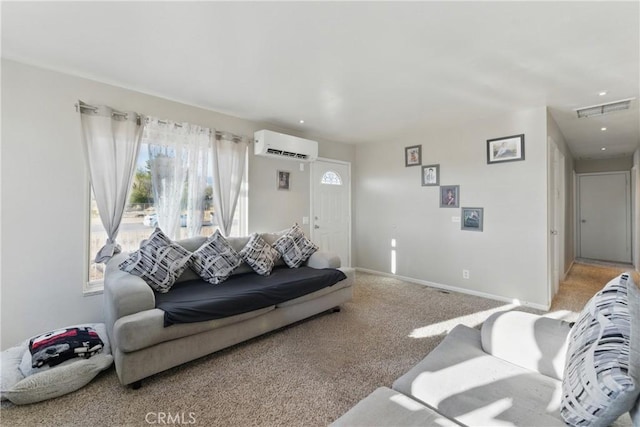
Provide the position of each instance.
(472, 219)
(283, 180)
(506, 149)
(430, 175)
(450, 196)
(413, 155)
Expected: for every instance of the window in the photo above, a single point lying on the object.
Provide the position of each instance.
(139, 220)
(331, 178)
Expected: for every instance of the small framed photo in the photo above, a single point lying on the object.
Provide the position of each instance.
(413, 155)
(283, 180)
(472, 219)
(507, 149)
(450, 196)
(430, 175)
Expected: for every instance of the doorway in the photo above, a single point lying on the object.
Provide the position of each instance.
(604, 216)
(331, 207)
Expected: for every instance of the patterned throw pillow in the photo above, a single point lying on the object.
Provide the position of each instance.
(259, 255)
(294, 247)
(159, 261)
(602, 374)
(215, 260)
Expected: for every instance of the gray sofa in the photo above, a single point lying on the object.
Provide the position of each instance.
(509, 373)
(142, 346)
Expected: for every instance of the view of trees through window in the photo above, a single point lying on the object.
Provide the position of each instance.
(139, 218)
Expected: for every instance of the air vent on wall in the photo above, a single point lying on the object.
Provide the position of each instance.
(609, 107)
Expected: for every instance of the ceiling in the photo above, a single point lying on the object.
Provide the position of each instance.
(355, 72)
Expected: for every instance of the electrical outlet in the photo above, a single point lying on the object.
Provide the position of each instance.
(465, 274)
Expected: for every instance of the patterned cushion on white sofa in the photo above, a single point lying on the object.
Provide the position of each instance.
(294, 247)
(159, 261)
(259, 255)
(215, 260)
(602, 375)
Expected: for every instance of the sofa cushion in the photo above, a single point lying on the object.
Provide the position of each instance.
(462, 382)
(528, 340)
(602, 377)
(215, 260)
(294, 247)
(259, 255)
(385, 407)
(159, 261)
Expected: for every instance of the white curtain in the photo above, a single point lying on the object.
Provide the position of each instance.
(178, 159)
(228, 155)
(112, 142)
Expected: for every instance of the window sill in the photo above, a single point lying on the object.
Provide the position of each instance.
(93, 288)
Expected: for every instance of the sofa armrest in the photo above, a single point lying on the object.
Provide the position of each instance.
(124, 293)
(534, 342)
(324, 259)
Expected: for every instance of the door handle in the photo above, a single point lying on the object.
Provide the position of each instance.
(316, 226)
(583, 221)
(554, 232)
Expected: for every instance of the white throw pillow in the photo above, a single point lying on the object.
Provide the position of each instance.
(159, 261)
(259, 255)
(215, 260)
(294, 247)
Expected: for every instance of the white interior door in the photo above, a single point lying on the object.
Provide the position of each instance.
(604, 216)
(331, 207)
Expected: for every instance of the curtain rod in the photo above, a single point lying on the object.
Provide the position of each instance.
(120, 113)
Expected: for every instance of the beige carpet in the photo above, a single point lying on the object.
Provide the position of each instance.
(307, 374)
(582, 282)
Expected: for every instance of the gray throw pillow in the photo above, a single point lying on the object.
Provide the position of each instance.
(215, 260)
(159, 261)
(259, 255)
(602, 375)
(294, 247)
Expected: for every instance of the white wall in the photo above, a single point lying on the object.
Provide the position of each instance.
(45, 192)
(509, 258)
(616, 164)
(635, 188)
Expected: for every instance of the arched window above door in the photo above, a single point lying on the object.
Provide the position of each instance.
(331, 178)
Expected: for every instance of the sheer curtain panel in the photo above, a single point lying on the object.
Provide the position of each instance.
(229, 155)
(178, 161)
(112, 141)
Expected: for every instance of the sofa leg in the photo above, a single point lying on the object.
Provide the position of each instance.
(136, 385)
(335, 310)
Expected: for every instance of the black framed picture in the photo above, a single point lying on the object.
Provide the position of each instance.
(413, 155)
(506, 149)
(430, 175)
(283, 180)
(450, 196)
(472, 219)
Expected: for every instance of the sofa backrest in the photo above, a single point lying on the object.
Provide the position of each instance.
(237, 243)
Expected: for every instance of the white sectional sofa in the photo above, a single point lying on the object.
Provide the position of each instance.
(511, 372)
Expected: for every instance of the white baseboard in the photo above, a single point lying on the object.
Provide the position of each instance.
(456, 289)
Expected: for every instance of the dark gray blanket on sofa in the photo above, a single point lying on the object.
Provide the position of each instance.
(197, 300)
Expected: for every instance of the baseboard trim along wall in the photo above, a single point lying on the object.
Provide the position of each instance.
(456, 289)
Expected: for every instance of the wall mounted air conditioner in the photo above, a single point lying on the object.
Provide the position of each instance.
(282, 146)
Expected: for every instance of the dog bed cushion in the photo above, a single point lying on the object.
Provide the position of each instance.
(48, 382)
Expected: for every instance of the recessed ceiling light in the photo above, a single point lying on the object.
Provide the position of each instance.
(603, 129)
(603, 93)
(603, 148)
(301, 121)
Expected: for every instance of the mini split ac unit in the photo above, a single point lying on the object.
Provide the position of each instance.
(281, 146)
